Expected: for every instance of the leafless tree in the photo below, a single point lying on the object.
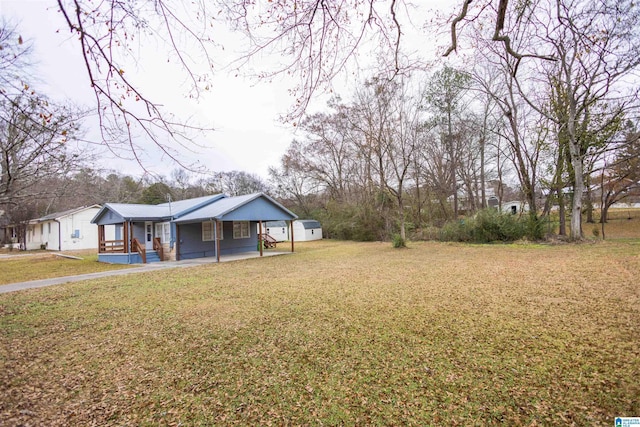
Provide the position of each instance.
(36, 144)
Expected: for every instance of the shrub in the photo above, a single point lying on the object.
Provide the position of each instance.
(455, 231)
(398, 241)
(489, 225)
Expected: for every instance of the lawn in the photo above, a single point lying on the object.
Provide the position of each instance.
(339, 333)
(19, 266)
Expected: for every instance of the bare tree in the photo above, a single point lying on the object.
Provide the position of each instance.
(596, 46)
(36, 144)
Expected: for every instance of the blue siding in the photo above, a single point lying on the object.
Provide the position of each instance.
(138, 231)
(109, 217)
(256, 210)
(132, 258)
(192, 246)
(230, 245)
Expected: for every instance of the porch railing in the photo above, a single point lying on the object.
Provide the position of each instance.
(157, 246)
(268, 241)
(136, 246)
(111, 246)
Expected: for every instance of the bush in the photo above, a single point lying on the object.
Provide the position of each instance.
(455, 231)
(351, 223)
(398, 241)
(489, 225)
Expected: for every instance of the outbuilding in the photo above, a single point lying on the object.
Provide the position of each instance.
(279, 230)
(307, 229)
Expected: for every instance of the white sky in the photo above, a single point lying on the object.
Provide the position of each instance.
(248, 135)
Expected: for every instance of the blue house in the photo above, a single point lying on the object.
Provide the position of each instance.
(209, 226)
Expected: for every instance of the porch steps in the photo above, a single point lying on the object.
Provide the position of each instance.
(152, 256)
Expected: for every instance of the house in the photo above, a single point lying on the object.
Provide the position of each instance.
(307, 229)
(64, 231)
(208, 226)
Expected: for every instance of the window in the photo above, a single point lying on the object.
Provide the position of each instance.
(49, 228)
(163, 231)
(241, 230)
(207, 231)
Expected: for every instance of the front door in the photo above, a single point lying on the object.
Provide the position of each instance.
(148, 235)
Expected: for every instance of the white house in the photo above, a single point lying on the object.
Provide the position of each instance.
(306, 229)
(64, 231)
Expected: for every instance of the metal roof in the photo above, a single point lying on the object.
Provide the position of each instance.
(227, 205)
(309, 223)
(275, 224)
(138, 211)
(62, 214)
(161, 212)
(183, 207)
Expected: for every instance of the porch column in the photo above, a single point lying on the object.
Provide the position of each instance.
(260, 236)
(101, 238)
(176, 245)
(291, 226)
(125, 236)
(215, 235)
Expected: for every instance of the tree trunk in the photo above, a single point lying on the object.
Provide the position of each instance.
(562, 215)
(578, 190)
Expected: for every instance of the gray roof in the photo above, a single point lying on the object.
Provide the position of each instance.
(62, 214)
(275, 224)
(309, 223)
(227, 205)
(199, 209)
(163, 211)
(219, 208)
(138, 211)
(183, 207)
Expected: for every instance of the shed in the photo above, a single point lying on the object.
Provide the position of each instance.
(307, 229)
(279, 230)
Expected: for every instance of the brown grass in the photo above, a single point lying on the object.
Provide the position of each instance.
(34, 265)
(339, 333)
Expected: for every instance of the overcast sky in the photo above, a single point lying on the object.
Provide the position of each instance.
(247, 136)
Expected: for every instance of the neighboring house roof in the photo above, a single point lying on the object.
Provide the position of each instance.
(309, 223)
(60, 215)
(235, 208)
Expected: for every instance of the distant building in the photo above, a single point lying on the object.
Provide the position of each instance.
(64, 231)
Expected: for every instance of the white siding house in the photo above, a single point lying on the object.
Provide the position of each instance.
(306, 229)
(64, 231)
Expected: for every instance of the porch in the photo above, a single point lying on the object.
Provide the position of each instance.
(120, 248)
